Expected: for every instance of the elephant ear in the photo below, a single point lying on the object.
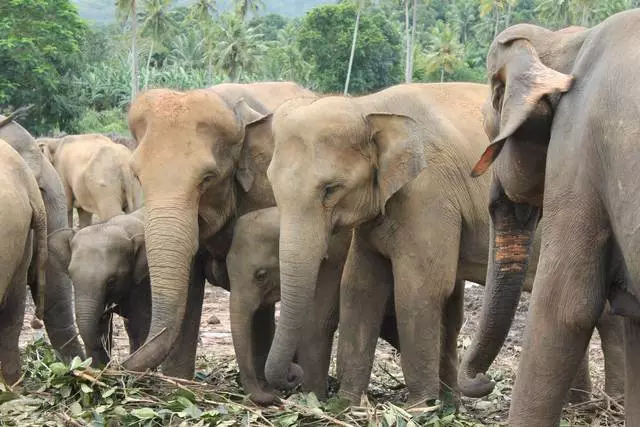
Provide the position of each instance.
(516, 89)
(257, 128)
(59, 245)
(140, 264)
(399, 152)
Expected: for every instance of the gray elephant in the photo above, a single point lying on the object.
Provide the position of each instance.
(21, 212)
(58, 313)
(419, 230)
(254, 274)
(96, 176)
(562, 117)
(107, 263)
(201, 160)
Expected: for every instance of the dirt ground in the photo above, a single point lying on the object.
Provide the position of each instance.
(386, 381)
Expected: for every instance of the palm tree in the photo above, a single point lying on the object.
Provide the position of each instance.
(244, 7)
(360, 5)
(239, 48)
(126, 9)
(202, 12)
(156, 24)
(445, 50)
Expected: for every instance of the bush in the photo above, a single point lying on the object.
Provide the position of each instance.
(106, 121)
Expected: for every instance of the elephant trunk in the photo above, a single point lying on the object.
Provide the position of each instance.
(244, 343)
(171, 236)
(301, 251)
(89, 311)
(512, 231)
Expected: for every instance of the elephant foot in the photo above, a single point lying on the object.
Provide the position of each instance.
(213, 320)
(352, 398)
(423, 401)
(263, 397)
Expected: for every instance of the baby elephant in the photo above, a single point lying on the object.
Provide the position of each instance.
(107, 263)
(254, 275)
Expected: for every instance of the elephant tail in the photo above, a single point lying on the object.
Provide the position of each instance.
(39, 226)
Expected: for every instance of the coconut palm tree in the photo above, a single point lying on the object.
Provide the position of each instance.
(244, 7)
(445, 51)
(239, 47)
(360, 5)
(156, 24)
(125, 10)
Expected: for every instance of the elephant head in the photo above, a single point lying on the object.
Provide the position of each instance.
(526, 66)
(336, 163)
(195, 158)
(105, 262)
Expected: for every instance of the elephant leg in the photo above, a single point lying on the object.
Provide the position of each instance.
(565, 306)
(581, 387)
(181, 360)
(315, 349)
(11, 320)
(632, 372)
(264, 327)
(452, 323)
(611, 330)
(366, 285)
(84, 217)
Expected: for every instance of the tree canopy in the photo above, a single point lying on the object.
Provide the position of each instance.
(81, 76)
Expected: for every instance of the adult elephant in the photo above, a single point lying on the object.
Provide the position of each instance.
(58, 315)
(201, 160)
(556, 147)
(345, 162)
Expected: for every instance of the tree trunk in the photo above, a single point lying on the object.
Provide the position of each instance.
(508, 17)
(146, 77)
(413, 39)
(407, 44)
(441, 74)
(353, 51)
(495, 27)
(134, 53)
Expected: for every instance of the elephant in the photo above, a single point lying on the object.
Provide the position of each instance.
(96, 176)
(562, 117)
(201, 159)
(253, 269)
(22, 212)
(107, 263)
(419, 230)
(128, 142)
(58, 314)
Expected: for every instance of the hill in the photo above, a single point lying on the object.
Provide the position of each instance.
(103, 11)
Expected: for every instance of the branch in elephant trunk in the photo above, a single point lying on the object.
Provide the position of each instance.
(512, 232)
(148, 342)
(19, 113)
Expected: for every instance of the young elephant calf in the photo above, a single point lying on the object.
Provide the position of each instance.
(21, 211)
(254, 275)
(107, 263)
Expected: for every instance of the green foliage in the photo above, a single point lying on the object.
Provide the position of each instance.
(105, 121)
(39, 52)
(325, 41)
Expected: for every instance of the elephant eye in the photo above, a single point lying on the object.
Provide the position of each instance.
(111, 281)
(330, 189)
(260, 275)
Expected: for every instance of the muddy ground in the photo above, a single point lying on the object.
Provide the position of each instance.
(387, 381)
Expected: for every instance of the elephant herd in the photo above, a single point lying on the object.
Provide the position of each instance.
(361, 215)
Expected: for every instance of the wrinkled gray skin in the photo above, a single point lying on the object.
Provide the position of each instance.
(562, 114)
(22, 215)
(58, 316)
(201, 160)
(107, 263)
(254, 273)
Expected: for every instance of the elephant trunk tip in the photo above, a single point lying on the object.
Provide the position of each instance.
(474, 384)
(147, 355)
(288, 380)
